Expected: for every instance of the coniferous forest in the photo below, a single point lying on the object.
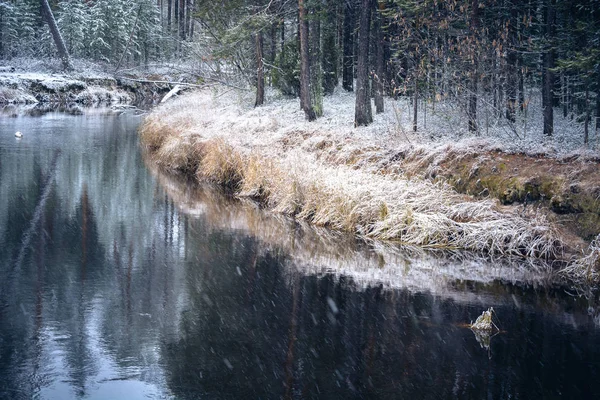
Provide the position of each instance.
(488, 57)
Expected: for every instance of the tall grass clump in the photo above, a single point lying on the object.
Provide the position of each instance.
(586, 268)
(265, 162)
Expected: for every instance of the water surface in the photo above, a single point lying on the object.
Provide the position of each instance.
(120, 282)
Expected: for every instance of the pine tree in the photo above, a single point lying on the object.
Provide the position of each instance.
(362, 111)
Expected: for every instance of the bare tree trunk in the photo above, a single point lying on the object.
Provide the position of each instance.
(415, 103)
(169, 16)
(260, 73)
(348, 46)
(58, 40)
(548, 87)
(316, 71)
(563, 94)
(511, 64)
(586, 134)
(597, 101)
(182, 19)
(362, 109)
(472, 108)
(379, 59)
(329, 50)
(188, 18)
(273, 43)
(305, 103)
(176, 13)
(1, 32)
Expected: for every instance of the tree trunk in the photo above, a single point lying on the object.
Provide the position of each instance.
(305, 103)
(316, 72)
(260, 73)
(176, 13)
(548, 87)
(362, 110)
(329, 58)
(273, 43)
(586, 134)
(182, 19)
(563, 94)
(58, 40)
(348, 46)
(415, 103)
(511, 64)
(521, 86)
(169, 16)
(188, 19)
(1, 32)
(472, 107)
(379, 59)
(597, 101)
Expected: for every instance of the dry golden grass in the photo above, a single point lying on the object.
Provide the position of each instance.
(292, 181)
(220, 163)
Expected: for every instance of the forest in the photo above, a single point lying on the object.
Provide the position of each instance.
(487, 58)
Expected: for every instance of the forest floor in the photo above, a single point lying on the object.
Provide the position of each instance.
(508, 191)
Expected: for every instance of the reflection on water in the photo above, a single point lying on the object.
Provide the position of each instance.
(121, 283)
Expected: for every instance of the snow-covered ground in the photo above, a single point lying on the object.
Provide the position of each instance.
(440, 124)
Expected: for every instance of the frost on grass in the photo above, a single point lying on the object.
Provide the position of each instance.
(329, 173)
(586, 268)
(310, 249)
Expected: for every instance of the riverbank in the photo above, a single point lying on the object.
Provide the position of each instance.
(377, 182)
(88, 84)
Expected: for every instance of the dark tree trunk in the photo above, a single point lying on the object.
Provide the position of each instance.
(305, 103)
(169, 16)
(176, 13)
(182, 19)
(563, 94)
(597, 101)
(548, 86)
(260, 73)
(472, 107)
(362, 111)
(58, 40)
(1, 32)
(188, 19)
(511, 64)
(316, 73)
(415, 103)
(348, 46)
(273, 43)
(586, 132)
(379, 59)
(521, 86)
(330, 49)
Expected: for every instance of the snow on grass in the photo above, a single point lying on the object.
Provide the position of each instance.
(268, 153)
(310, 249)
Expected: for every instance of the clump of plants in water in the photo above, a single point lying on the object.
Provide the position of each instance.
(485, 322)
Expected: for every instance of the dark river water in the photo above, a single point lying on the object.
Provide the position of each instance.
(118, 282)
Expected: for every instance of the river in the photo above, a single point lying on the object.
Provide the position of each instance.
(120, 282)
